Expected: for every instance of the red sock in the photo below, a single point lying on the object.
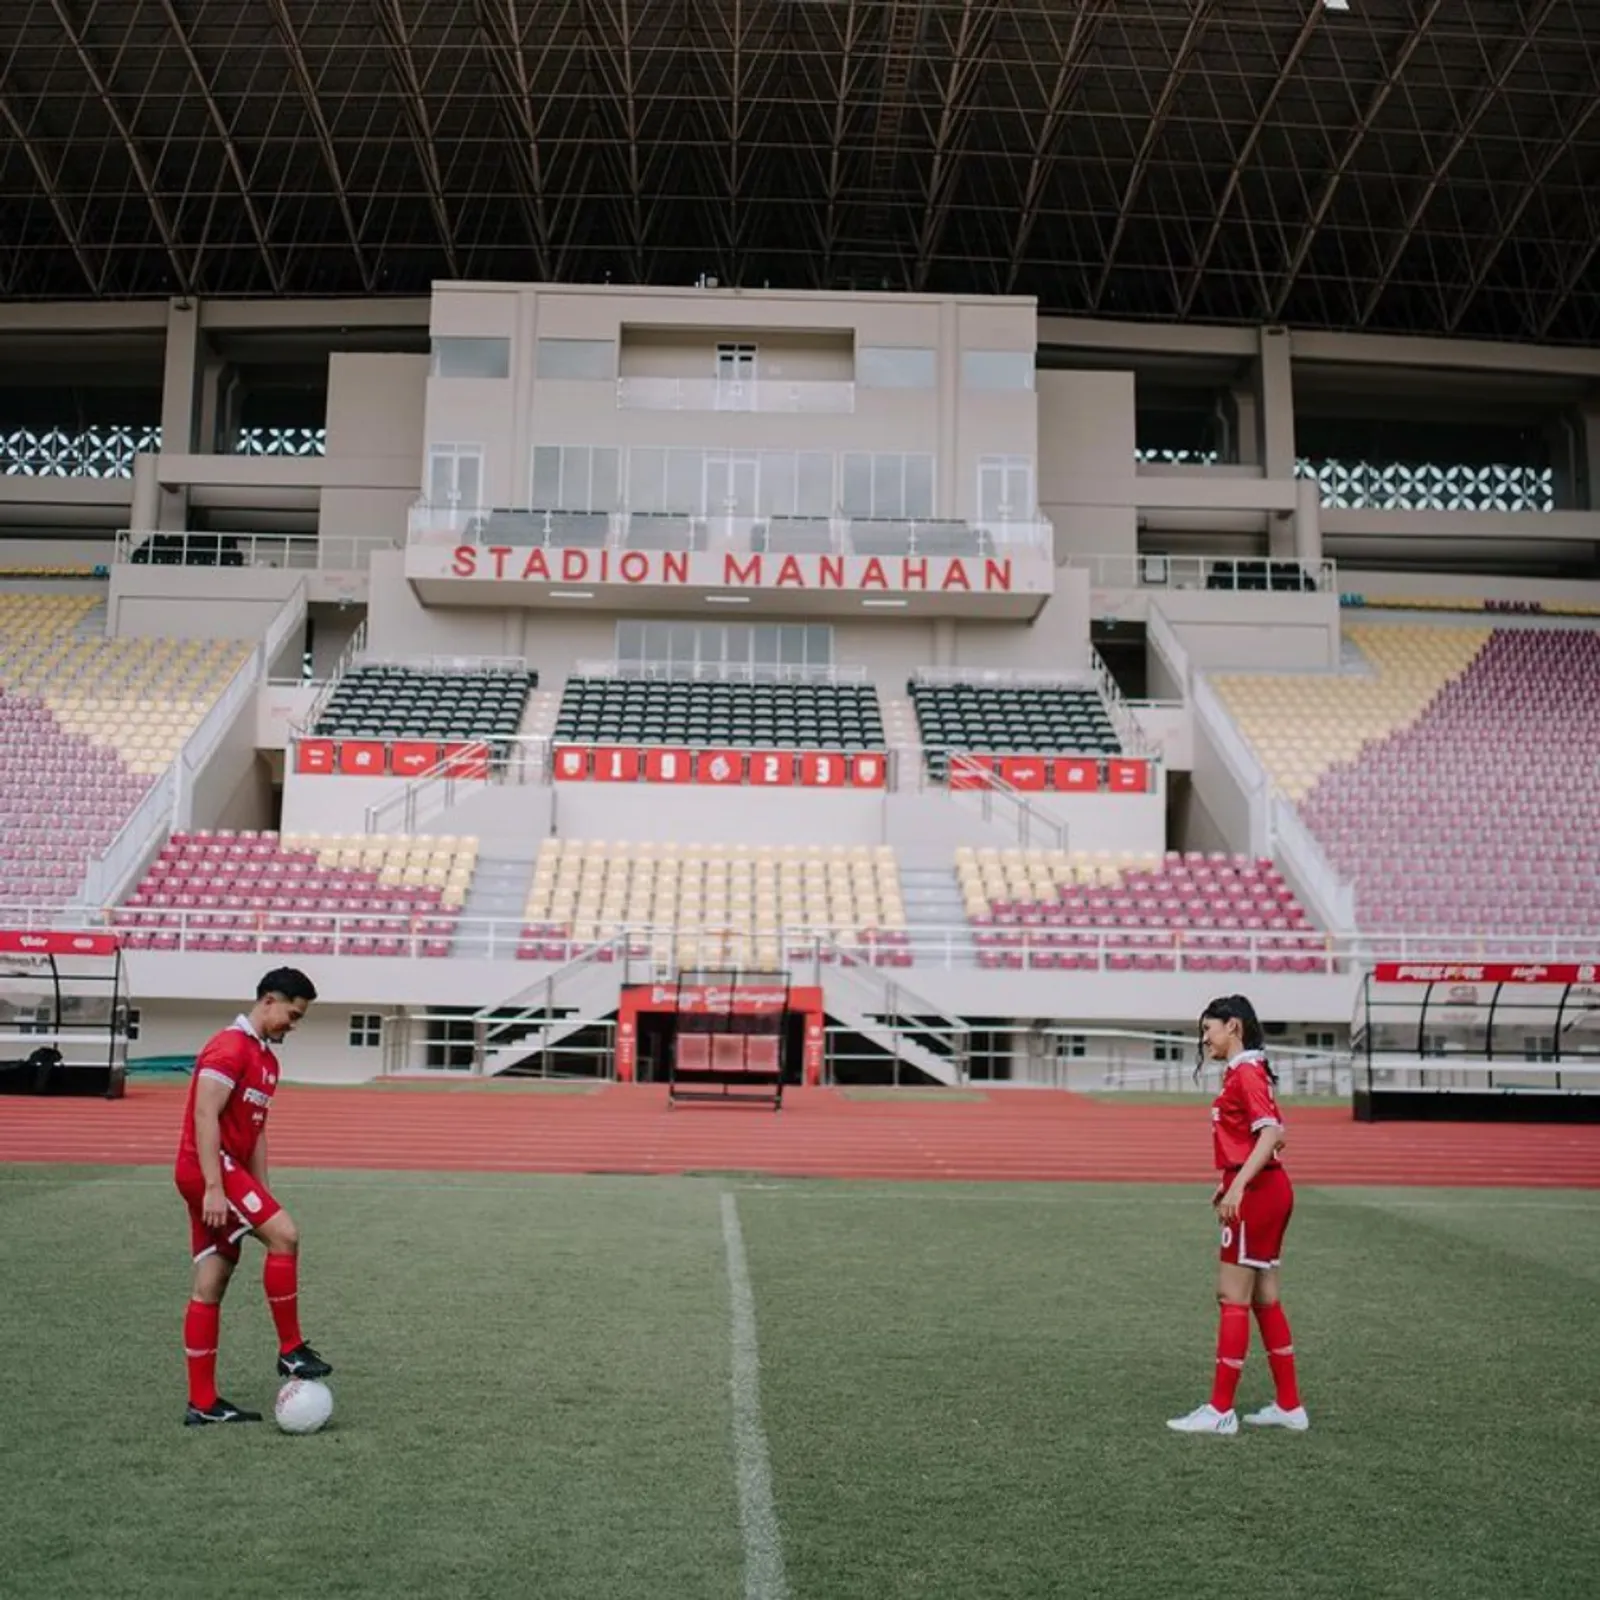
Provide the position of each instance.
(1233, 1345)
(1276, 1337)
(201, 1322)
(281, 1279)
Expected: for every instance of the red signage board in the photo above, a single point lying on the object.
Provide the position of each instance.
(721, 768)
(55, 942)
(1553, 972)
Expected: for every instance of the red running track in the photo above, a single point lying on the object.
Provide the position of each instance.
(1039, 1135)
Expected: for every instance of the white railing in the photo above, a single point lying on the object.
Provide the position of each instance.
(649, 950)
(999, 801)
(355, 648)
(1330, 897)
(691, 531)
(138, 838)
(1134, 740)
(301, 551)
(1238, 757)
(1246, 574)
(720, 672)
(1007, 677)
(166, 805)
(447, 664)
(465, 772)
(831, 397)
(1169, 647)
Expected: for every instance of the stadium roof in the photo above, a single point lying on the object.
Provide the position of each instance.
(1416, 166)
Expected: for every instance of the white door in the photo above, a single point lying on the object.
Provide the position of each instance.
(730, 485)
(1005, 489)
(736, 377)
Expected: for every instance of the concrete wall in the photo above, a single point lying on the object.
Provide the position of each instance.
(1086, 429)
(1271, 632)
(376, 406)
(196, 602)
(672, 329)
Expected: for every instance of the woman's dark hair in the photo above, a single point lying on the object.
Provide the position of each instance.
(1232, 1008)
(290, 982)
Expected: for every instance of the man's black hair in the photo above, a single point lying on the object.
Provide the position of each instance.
(290, 982)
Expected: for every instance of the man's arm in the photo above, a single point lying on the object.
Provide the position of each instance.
(211, 1095)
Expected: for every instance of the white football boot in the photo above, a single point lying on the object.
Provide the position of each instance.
(1206, 1419)
(1274, 1416)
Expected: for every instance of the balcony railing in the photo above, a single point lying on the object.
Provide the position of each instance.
(790, 397)
(1001, 948)
(1228, 573)
(301, 551)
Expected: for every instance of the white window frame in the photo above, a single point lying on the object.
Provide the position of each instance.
(449, 459)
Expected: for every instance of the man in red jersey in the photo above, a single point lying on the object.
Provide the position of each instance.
(222, 1174)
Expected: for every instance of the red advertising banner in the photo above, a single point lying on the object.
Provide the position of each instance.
(410, 758)
(719, 768)
(570, 763)
(362, 757)
(1555, 972)
(971, 772)
(313, 755)
(772, 768)
(618, 764)
(868, 771)
(668, 766)
(820, 770)
(1128, 777)
(53, 942)
(1076, 777)
(1027, 773)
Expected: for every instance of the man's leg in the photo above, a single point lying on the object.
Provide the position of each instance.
(280, 1277)
(202, 1322)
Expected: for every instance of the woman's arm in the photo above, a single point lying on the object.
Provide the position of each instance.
(1267, 1143)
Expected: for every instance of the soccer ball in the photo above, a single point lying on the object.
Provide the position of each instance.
(303, 1406)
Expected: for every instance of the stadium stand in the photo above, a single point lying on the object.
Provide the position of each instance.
(1030, 720)
(1302, 725)
(708, 905)
(400, 702)
(139, 697)
(1479, 813)
(85, 722)
(1206, 912)
(365, 894)
(789, 716)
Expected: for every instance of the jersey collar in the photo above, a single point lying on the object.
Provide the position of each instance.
(1244, 1056)
(242, 1023)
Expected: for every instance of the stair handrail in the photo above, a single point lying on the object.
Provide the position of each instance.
(954, 1033)
(1026, 817)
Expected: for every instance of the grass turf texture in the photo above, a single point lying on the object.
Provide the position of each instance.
(963, 1387)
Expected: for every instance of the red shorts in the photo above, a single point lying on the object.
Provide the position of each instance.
(1256, 1239)
(249, 1203)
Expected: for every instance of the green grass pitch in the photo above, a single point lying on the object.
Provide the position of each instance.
(962, 1389)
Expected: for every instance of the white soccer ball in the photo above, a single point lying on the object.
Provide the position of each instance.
(303, 1405)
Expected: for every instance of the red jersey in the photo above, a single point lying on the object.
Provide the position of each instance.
(1245, 1106)
(241, 1060)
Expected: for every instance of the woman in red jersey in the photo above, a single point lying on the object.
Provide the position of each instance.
(1254, 1201)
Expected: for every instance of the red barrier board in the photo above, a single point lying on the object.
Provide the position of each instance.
(1555, 972)
(54, 942)
(313, 755)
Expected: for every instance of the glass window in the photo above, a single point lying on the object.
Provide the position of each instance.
(685, 490)
(546, 477)
(647, 475)
(814, 484)
(776, 494)
(919, 486)
(581, 360)
(894, 367)
(630, 641)
(471, 358)
(996, 369)
(819, 646)
(366, 1030)
(856, 496)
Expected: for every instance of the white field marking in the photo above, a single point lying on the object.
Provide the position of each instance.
(758, 1517)
(920, 1191)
